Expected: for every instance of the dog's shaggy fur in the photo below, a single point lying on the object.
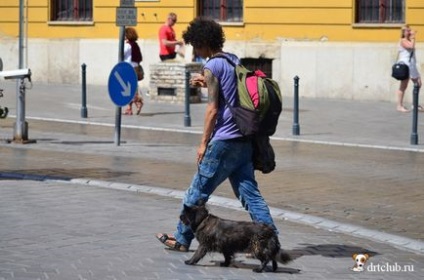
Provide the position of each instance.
(228, 237)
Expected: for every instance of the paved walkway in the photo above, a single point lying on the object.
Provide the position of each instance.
(57, 230)
(351, 174)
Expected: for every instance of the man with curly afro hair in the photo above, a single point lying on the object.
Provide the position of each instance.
(223, 153)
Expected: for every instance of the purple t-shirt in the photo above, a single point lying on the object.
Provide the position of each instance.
(225, 127)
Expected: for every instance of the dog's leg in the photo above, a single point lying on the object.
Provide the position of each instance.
(198, 255)
(228, 258)
(264, 262)
(274, 265)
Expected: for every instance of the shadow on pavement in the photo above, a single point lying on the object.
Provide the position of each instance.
(251, 266)
(62, 174)
(160, 113)
(85, 142)
(329, 251)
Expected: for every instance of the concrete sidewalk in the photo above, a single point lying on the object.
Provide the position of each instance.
(333, 121)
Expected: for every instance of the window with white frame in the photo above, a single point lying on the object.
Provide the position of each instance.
(222, 10)
(71, 10)
(380, 11)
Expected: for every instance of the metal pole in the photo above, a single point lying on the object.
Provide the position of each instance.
(296, 127)
(84, 92)
(118, 110)
(414, 134)
(21, 34)
(21, 127)
(26, 34)
(187, 119)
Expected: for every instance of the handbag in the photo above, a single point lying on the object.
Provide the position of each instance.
(140, 72)
(400, 71)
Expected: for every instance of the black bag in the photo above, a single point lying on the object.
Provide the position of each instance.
(400, 71)
(247, 120)
(263, 154)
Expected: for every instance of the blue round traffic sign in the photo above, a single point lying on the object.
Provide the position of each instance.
(122, 83)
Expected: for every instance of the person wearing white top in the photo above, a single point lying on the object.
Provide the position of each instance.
(133, 56)
(407, 53)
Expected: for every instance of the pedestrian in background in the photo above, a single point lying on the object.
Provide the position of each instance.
(223, 153)
(132, 55)
(407, 55)
(168, 40)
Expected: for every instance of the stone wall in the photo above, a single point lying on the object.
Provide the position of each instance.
(168, 81)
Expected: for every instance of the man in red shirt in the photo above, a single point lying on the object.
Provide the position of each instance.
(167, 38)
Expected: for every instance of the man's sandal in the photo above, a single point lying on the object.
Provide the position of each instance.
(170, 242)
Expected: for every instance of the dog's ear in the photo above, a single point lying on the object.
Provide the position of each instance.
(354, 256)
(184, 215)
(367, 256)
(184, 220)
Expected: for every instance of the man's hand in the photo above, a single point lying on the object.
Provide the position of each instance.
(201, 153)
(198, 81)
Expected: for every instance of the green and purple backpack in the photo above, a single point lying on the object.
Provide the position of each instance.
(259, 101)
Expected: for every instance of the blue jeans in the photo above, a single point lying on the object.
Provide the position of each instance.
(230, 159)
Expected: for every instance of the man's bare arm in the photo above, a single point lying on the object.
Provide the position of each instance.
(211, 112)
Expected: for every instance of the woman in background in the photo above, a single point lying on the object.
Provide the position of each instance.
(132, 55)
(407, 56)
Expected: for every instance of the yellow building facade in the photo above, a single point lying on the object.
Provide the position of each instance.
(301, 37)
(262, 20)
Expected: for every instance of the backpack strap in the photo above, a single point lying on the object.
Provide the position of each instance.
(221, 55)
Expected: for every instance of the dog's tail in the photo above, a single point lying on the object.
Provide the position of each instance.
(283, 257)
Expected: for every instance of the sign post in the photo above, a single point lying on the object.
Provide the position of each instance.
(20, 134)
(126, 15)
(122, 87)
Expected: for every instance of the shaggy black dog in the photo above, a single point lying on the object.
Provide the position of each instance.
(228, 237)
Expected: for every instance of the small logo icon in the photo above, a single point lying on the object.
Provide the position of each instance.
(360, 260)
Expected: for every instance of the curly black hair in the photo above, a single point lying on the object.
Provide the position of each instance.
(204, 32)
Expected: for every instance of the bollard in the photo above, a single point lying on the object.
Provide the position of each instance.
(187, 119)
(84, 92)
(20, 134)
(296, 127)
(414, 134)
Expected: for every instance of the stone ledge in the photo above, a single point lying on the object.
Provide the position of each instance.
(170, 76)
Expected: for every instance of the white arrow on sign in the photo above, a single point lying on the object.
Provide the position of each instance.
(126, 87)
